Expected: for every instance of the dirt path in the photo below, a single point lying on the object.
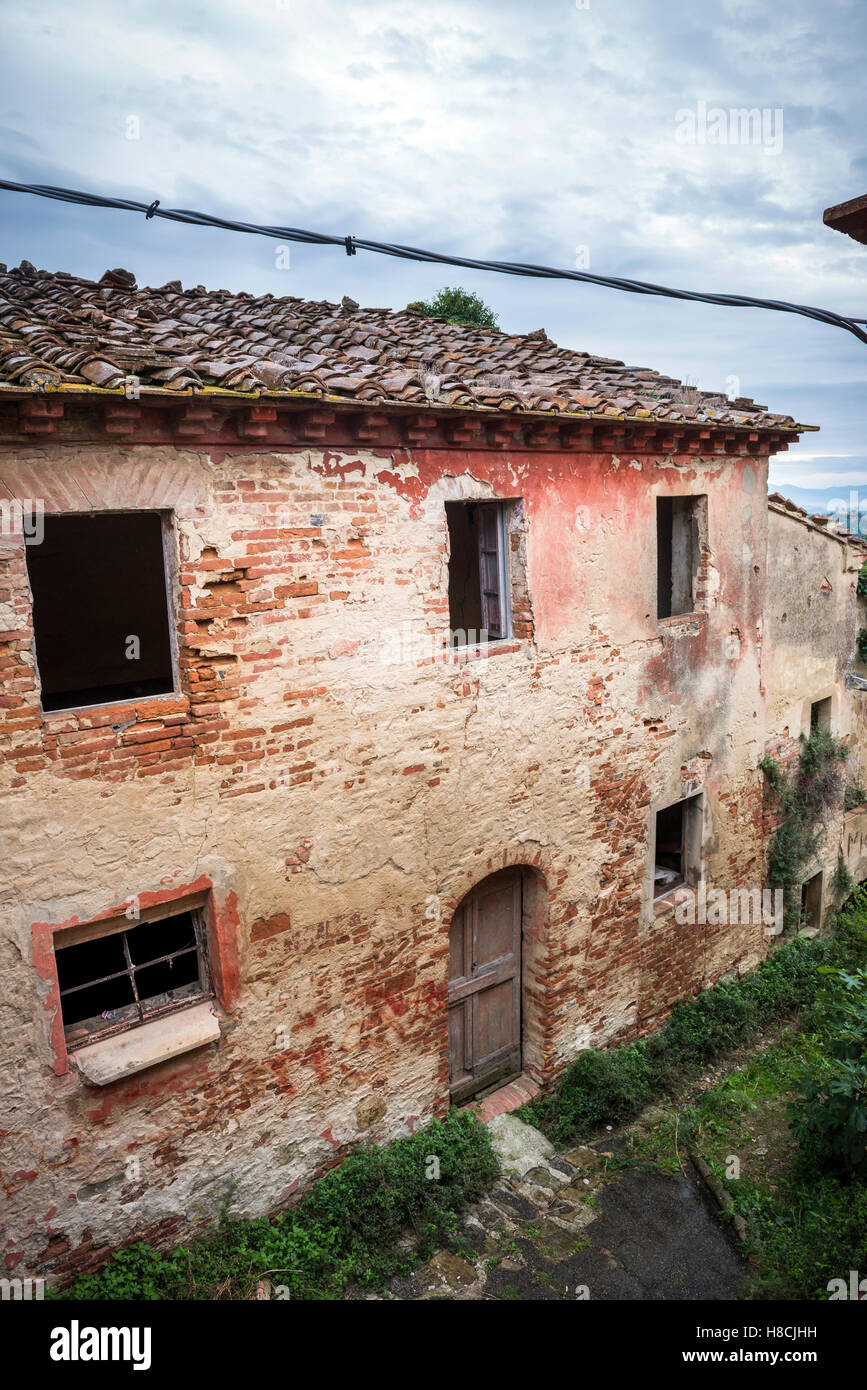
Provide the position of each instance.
(568, 1225)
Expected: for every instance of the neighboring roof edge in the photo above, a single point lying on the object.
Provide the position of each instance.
(850, 218)
(784, 507)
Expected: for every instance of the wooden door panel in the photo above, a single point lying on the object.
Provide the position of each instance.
(485, 985)
(490, 568)
(460, 952)
(497, 923)
(460, 1032)
(493, 1023)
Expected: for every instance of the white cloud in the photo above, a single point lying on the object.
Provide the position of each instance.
(482, 127)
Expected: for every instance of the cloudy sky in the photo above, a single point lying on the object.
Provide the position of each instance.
(553, 132)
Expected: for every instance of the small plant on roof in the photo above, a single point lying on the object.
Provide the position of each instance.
(457, 306)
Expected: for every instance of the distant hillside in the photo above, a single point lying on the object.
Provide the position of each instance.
(819, 500)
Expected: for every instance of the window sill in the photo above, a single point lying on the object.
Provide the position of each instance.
(100, 1063)
(100, 706)
(482, 650)
(675, 619)
(666, 903)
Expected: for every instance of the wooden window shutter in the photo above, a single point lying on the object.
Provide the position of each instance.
(492, 570)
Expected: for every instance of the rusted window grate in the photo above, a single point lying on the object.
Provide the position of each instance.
(130, 974)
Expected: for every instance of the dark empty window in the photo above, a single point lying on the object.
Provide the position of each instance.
(820, 715)
(678, 553)
(100, 609)
(670, 864)
(811, 902)
(479, 608)
(116, 980)
(678, 845)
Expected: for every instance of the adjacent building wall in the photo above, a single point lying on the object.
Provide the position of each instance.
(812, 619)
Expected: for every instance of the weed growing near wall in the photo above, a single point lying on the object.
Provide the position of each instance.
(385, 1209)
(607, 1087)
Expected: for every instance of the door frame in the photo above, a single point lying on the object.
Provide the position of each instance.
(472, 985)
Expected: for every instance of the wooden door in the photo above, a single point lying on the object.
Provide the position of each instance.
(485, 986)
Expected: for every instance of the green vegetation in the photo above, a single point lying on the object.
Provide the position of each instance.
(457, 306)
(843, 880)
(861, 587)
(804, 1226)
(376, 1216)
(606, 1087)
(804, 801)
(794, 1117)
(829, 1116)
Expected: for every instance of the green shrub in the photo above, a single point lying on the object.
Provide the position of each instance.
(614, 1085)
(829, 1115)
(829, 1118)
(850, 930)
(600, 1088)
(371, 1218)
(456, 305)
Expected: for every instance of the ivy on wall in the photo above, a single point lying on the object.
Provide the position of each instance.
(804, 802)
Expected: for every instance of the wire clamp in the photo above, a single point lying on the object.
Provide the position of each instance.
(350, 245)
(152, 209)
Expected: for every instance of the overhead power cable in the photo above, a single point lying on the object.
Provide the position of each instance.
(351, 244)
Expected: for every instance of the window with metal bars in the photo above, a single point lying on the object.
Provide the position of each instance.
(130, 974)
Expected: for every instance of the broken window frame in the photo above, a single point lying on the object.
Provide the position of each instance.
(691, 839)
(489, 633)
(170, 590)
(77, 1034)
(695, 518)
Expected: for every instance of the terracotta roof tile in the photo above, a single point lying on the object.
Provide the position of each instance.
(60, 330)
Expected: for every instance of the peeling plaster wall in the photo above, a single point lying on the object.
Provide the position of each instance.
(342, 789)
(812, 618)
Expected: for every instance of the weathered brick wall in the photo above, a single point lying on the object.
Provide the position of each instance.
(341, 802)
(812, 617)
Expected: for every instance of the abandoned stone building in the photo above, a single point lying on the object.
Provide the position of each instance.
(371, 684)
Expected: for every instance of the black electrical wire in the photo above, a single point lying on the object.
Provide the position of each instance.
(352, 244)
